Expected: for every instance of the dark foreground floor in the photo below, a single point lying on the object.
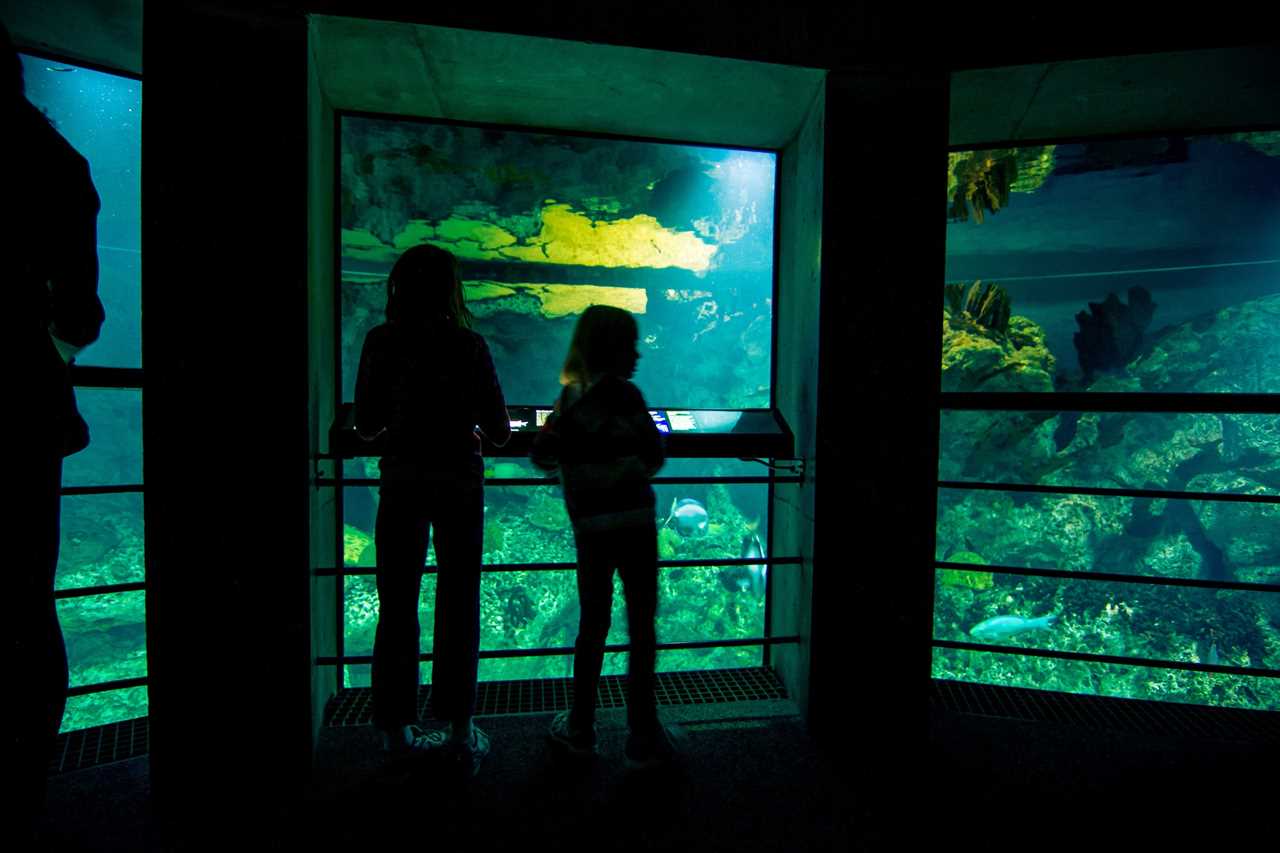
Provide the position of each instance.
(752, 780)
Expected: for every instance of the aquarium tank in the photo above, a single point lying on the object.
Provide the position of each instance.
(545, 224)
(1106, 269)
(100, 577)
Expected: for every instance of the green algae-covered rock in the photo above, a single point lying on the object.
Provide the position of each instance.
(1004, 445)
(1233, 350)
(975, 358)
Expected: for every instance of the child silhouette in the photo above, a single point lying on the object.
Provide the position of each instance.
(602, 441)
(427, 383)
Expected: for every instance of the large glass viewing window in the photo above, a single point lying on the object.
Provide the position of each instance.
(545, 224)
(1109, 459)
(100, 583)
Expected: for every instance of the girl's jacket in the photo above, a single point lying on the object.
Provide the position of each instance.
(604, 445)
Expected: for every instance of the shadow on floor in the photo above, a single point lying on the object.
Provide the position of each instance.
(751, 782)
(742, 785)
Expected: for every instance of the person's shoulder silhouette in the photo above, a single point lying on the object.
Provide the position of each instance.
(49, 213)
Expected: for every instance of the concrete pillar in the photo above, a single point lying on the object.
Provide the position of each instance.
(226, 414)
(877, 432)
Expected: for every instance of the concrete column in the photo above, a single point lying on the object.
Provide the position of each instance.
(877, 432)
(226, 414)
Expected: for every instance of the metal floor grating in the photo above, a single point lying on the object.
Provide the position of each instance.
(354, 706)
(1134, 716)
(99, 745)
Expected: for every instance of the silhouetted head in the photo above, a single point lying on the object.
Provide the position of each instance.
(604, 343)
(424, 290)
(11, 88)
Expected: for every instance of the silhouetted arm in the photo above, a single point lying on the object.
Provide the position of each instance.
(545, 453)
(649, 444)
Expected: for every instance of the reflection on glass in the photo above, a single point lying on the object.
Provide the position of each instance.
(102, 541)
(105, 636)
(114, 455)
(1116, 265)
(101, 116)
(545, 225)
(105, 708)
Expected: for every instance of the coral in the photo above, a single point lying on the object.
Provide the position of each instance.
(987, 306)
(1034, 165)
(977, 357)
(495, 536)
(669, 542)
(1111, 332)
(357, 547)
(547, 511)
(982, 183)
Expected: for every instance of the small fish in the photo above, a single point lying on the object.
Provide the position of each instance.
(1001, 627)
(689, 516)
(62, 69)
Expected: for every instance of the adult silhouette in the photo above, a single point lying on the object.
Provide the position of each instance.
(50, 275)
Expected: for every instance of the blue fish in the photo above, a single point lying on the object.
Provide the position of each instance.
(688, 515)
(1001, 627)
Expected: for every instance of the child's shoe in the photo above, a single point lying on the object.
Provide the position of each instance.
(653, 748)
(470, 754)
(580, 743)
(412, 741)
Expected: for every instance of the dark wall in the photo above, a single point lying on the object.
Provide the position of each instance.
(822, 34)
(224, 331)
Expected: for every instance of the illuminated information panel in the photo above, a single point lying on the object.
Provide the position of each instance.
(689, 433)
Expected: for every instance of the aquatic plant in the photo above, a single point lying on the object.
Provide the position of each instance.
(972, 580)
(982, 183)
(987, 305)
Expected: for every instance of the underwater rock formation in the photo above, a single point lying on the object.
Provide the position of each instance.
(1232, 350)
(1111, 332)
(978, 358)
(987, 306)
